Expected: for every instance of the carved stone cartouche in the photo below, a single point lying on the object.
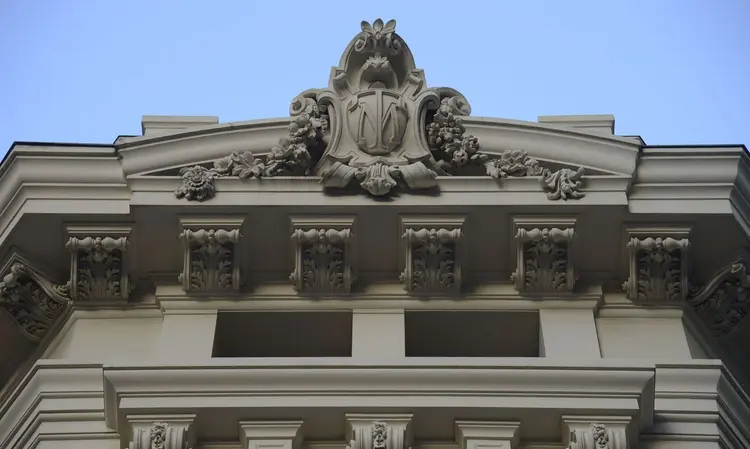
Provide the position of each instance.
(432, 264)
(544, 260)
(98, 270)
(322, 262)
(724, 302)
(657, 269)
(210, 260)
(31, 301)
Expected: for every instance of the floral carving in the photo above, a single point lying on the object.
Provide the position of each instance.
(159, 435)
(211, 262)
(513, 163)
(322, 261)
(564, 184)
(379, 435)
(31, 301)
(544, 260)
(431, 262)
(197, 183)
(596, 437)
(724, 302)
(657, 269)
(378, 37)
(445, 135)
(97, 269)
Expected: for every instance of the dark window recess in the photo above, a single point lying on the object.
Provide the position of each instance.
(472, 334)
(283, 334)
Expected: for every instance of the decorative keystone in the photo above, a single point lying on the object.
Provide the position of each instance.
(162, 431)
(382, 431)
(98, 263)
(211, 260)
(658, 260)
(323, 254)
(544, 255)
(433, 259)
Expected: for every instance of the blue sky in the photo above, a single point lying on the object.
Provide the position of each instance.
(674, 72)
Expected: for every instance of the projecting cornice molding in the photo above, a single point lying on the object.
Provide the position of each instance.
(30, 299)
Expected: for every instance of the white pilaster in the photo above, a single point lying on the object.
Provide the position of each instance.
(378, 333)
(270, 434)
(569, 334)
(188, 335)
(487, 434)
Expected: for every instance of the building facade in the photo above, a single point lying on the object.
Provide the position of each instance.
(381, 270)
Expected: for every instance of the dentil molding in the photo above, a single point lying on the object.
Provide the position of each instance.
(544, 254)
(98, 263)
(323, 254)
(211, 261)
(658, 261)
(433, 254)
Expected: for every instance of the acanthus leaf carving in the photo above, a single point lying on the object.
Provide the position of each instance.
(32, 301)
(211, 259)
(658, 266)
(724, 302)
(323, 256)
(170, 433)
(98, 269)
(378, 431)
(544, 255)
(433, 262)
(563, 184)
(605, 433)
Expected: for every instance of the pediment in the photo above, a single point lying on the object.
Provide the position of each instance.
(379, 128)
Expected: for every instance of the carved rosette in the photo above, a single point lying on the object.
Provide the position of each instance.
(658, 265)
(323, 256)
(724, 302)
(544, 254)
(167, 432)
(32, 301)
(98, 268)
(211, 261)
(433, 259)
(378, 431)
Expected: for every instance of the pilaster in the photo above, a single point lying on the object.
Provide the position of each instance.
(600, 432)
(381, 431)
(162, 431)
(270, 434)
(378, 333)
(99, 263)
(544, 254)
(323, 257)
(211, 261)
(658, 261)
(487, 434)
(568, 334)
(433, 254)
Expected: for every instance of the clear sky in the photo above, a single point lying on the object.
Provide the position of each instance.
(672, 71)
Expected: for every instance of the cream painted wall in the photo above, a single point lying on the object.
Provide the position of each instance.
(109, 339)
(643, 338)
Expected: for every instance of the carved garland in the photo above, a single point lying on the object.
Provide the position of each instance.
(378, 137)
(31, 301)
(724, 302)
(322, 261)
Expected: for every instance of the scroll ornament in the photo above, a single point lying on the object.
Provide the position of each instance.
(724, 302)
(377, 126)
(31, 301)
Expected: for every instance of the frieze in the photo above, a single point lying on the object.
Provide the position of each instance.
(29, 299)
(377, 126)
